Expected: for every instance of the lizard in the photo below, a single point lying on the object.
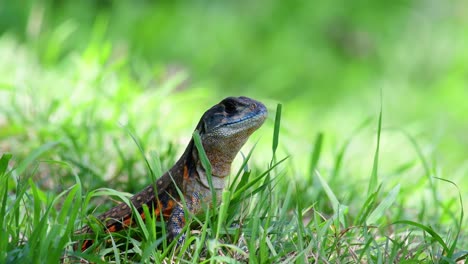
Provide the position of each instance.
(223, 129)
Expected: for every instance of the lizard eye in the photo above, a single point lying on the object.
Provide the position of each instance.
(229, 107)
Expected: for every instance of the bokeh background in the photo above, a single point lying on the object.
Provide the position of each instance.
(75, 66)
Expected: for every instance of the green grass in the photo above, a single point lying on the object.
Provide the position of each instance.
(263, 217)
(95, 104)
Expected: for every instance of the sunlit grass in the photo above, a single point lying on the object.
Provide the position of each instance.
(264, 217)
(70, 126)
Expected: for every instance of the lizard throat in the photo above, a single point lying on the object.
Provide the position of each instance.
(220, 161)
(218, 182)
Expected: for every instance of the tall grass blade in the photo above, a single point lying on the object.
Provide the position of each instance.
(242, 170)
(427, 169)
(460, 223)
(374, 176)
(366, 208)
(315, 155)
(142, 152)
(4, 160)
(338, 208)
(3, 205)
(383, 206)
(205, 163)
(34, 155)
(428, 230)
(276, 128)
(223, 210)
(241, 191)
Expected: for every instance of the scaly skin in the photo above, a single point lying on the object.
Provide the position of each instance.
(223, 129)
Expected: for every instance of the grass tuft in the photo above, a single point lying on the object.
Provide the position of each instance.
(66, 152)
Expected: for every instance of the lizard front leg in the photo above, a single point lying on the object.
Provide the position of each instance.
(177, 220)
(176, 223)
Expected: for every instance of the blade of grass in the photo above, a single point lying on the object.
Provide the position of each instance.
(383, 206)
(276, 129)
(3, 208)
(367, 207)
(242, 170)
(142, 152)
(450, 253)
(4, 160)
(223, 208)
(374, 176)
(300, 225)
(206, 165)
(426, 229)
(34, 155)
(240, 192)
(315, 156)
(427, 169)
(338, 208)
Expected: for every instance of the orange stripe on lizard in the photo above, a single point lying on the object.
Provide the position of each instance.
(186, 174)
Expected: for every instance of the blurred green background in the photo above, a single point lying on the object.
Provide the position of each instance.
(328, 62)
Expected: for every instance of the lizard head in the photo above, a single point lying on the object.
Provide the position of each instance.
(225, 128)
(232, 117)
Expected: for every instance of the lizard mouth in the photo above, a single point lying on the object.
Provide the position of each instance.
(233, 116)
(259, 115)
(245, 125)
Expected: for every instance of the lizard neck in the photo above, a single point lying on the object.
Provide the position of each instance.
(221, 153)
(194, 168)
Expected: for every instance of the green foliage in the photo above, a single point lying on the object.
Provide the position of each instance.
(100, 94)
(31, 227)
